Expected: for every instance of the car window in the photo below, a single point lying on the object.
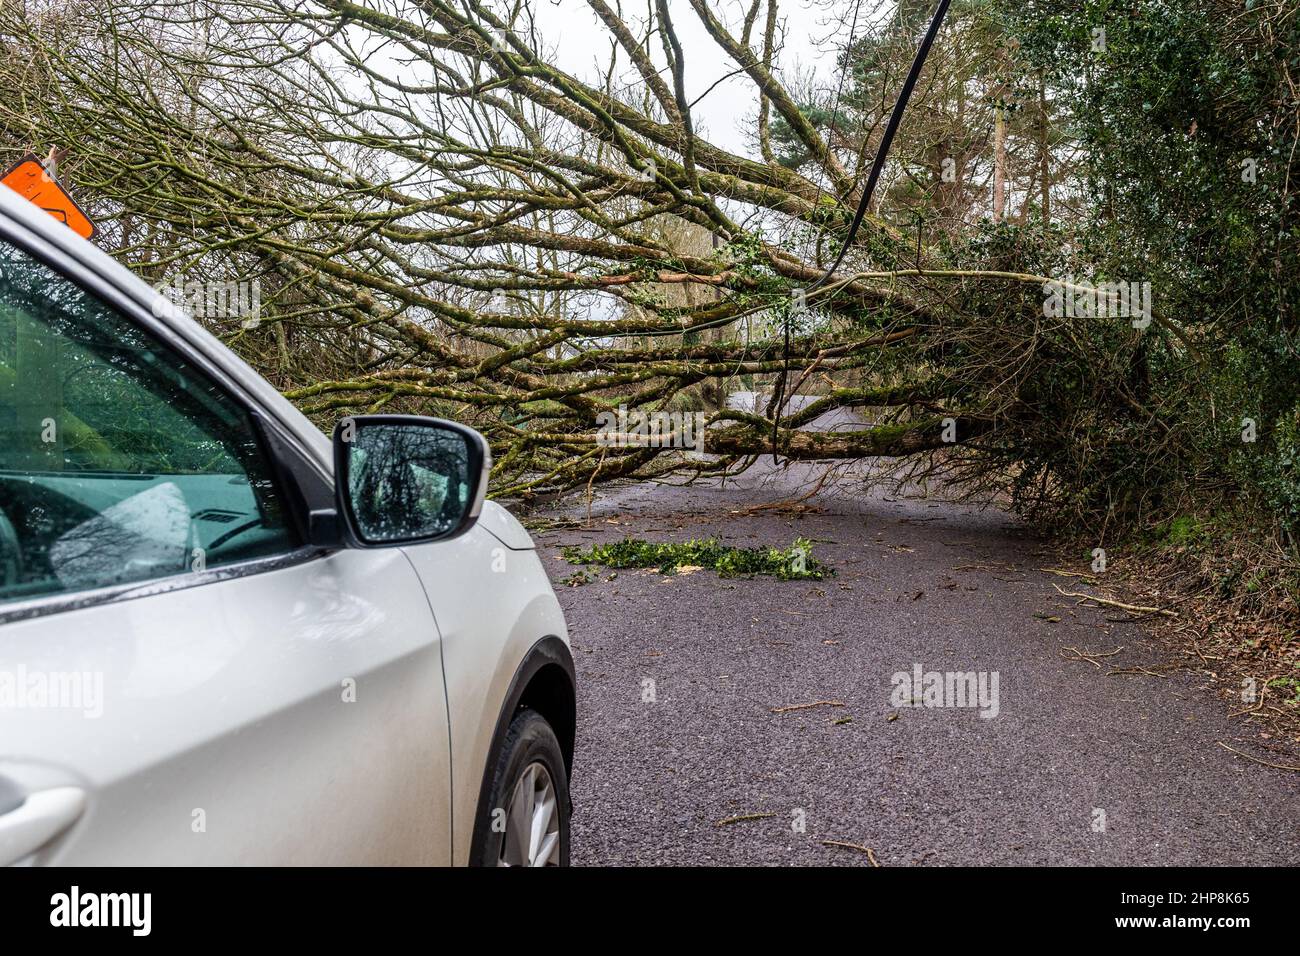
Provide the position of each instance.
(120, 461)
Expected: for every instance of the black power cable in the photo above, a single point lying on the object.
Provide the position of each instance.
(877, 165)
(895, 118)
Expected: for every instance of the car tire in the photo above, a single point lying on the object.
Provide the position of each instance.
(529, 791)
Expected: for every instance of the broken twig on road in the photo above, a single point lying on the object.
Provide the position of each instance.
(1088, 656)
(1109, 602)
(854, 846)
(815, 703)
(1277, 766)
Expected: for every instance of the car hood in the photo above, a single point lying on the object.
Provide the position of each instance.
(505, 527)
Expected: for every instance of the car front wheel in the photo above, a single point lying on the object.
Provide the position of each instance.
(527, 823)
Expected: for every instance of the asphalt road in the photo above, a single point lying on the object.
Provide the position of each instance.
(921, 583)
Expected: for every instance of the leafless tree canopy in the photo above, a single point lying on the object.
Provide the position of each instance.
(444, 222)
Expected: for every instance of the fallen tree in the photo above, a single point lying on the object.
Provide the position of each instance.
(443, 221)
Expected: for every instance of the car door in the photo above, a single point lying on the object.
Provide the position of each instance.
(182, 679)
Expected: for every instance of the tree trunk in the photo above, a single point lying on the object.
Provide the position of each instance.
(999, 163)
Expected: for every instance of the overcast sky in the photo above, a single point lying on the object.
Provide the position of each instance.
(726, 115)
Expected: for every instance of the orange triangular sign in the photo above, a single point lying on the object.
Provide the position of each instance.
(29, 179)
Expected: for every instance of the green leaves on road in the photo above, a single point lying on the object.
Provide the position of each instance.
(794, 563)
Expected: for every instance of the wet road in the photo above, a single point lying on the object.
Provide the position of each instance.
(679, 677)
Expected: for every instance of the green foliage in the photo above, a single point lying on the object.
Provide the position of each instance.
(1184, 530)
(1185, 117)
(1281, 478)
(1288, 685)
(791, 564)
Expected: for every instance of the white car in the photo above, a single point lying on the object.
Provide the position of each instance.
(214, 652)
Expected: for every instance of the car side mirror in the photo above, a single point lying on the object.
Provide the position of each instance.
(406, 479)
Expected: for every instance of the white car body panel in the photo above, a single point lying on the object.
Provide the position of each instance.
(479, 670)
(227, 697)
(224, 712)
